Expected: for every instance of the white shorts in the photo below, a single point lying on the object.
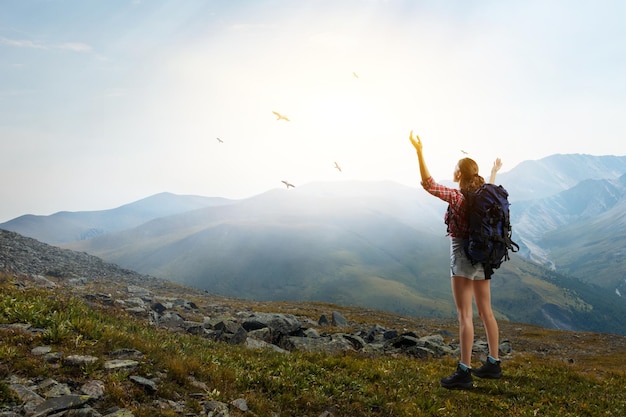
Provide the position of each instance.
(460, 264)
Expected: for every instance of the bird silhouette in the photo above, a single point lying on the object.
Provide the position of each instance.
(337, 166)
(465, 153)
(280, 116)
(288, 184)
(220, 140)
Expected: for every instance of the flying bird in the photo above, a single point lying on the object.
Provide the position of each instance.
(337, 166)
(280, 116)
(220, 140)
(463, 152)
(288, 184)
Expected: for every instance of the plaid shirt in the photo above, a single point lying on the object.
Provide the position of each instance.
(456, 215)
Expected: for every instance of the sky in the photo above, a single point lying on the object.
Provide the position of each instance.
(106, 102)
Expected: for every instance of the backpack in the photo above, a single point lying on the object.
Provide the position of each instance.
(489, 227)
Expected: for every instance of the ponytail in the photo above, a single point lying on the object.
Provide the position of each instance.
(470, 179)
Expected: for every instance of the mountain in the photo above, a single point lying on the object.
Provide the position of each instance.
(380, 245)
(67, 226)
(531, 180)
(313, 242)
(383, 245)
(579, 231)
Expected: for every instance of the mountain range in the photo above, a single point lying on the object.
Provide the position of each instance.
(377, 244)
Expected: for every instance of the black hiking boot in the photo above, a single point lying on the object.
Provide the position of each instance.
(489, 370)
(460, 379)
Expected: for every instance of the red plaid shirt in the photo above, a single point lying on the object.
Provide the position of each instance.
(456, 215)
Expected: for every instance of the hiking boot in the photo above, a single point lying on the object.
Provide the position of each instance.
(460, 379)
(489, 370)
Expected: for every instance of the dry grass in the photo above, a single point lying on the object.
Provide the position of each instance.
(552, 373)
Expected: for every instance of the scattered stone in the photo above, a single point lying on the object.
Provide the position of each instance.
(338, 319)
(57, 404)
(93, 388)
(53, 357)
(79, 360)
(126, 354)
(279, 332)
(26, 395)
(120, 413)
(148, 384)
(216, 409)
(120, 364)
(40, 350)
(240, 404)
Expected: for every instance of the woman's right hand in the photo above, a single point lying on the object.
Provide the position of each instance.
(416, 141)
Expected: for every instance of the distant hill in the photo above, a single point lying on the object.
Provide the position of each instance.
(343, 245)
(383, 245)
(531, 180)
(580, 231)
(68, 226)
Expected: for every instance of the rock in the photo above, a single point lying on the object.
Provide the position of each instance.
(338, 319)
(26, 395)
(239, 338)
(228, 326)
(44, 282)
(93, 388)
(56, 404)
(126, 354)
(76, 282)
(82, 412)
(260, 344)
(148, 384)
(331, 344)
(158, 307)
(118, 364)
(40, 350)
(240, 404)
(53, 357)
(120, 413)
(264, 334)
(138, 291)
(357, 342)
(79, 360)
(57, 390)
(216, 409)
(281, 324)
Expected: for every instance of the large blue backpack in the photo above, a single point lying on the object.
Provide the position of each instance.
(489, 227)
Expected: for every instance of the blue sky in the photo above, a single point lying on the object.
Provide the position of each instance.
(106, 102)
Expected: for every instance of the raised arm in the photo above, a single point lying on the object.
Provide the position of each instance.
(497, 164)
(417, 144)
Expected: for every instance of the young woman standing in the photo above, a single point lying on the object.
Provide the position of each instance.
(468, 281)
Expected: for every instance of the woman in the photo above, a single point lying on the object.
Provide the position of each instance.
(468, 281)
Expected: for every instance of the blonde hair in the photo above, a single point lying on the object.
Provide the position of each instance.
(469, 180)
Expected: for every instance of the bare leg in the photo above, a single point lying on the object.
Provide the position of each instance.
(462, 289)
(482, 296)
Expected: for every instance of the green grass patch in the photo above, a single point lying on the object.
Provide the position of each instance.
(299, 383)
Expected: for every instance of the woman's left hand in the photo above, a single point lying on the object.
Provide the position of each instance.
(497, 164)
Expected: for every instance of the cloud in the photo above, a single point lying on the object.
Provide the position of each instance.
(21, 43)
(250, 26)
(26, 43)
(74, 46)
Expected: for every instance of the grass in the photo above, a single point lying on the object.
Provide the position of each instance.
(297, 384)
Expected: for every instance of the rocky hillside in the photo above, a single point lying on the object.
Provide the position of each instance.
(278, 327)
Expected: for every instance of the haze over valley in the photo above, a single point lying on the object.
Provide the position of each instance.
(376, 244)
